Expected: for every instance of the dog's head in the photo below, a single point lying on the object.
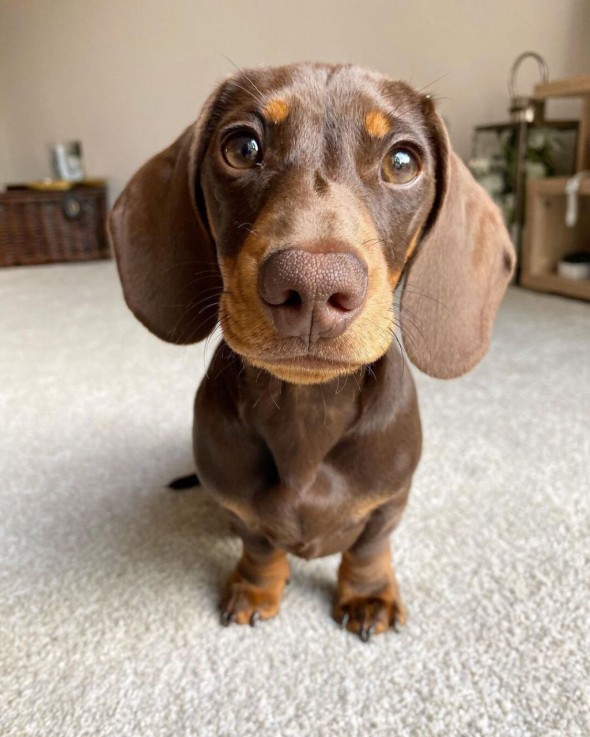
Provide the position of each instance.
(291, 210)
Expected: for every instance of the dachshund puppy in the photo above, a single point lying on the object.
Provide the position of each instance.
(289, 213)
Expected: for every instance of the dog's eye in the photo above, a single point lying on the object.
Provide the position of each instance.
(241, 150)
(400, 166)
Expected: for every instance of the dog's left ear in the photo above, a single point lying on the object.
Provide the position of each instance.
(165, 253)
(459, 273)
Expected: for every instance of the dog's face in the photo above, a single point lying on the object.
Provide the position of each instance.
(292, 209)
(307, 162)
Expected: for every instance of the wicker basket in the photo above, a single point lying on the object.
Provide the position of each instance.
(46, 227)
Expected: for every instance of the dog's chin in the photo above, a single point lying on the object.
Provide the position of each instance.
(286, 362)
(304, 369)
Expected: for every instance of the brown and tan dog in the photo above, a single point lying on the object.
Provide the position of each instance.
(289, 212)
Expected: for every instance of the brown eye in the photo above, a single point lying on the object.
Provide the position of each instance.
(400, 166)
(242, 150)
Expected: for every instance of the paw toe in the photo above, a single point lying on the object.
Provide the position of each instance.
(368, 616)
(246, 604)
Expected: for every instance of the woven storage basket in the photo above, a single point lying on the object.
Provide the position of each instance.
(46, 227)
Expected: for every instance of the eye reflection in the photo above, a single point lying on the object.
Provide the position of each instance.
(400, 166)
(242, 150)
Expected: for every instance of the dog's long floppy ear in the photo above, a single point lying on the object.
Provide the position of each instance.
(165, 253)
(458, 275)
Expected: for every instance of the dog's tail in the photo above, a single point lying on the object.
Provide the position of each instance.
(184, 482)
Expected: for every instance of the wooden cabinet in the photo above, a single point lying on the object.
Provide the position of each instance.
(547, 239)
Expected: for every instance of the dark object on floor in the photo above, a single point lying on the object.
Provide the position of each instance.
(184, 482)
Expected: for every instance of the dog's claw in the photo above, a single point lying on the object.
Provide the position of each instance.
(366, 616)
(254, 618)
(366, 632)
(226, 618)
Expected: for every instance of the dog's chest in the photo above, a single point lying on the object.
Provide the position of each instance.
(306, 507)
(306, 466)
(300, 425)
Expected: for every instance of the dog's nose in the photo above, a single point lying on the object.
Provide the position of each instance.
(313, 295)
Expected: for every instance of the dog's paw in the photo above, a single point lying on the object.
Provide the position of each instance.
(369, 615)
(244, 603)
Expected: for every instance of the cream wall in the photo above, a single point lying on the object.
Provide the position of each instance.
(125, 76)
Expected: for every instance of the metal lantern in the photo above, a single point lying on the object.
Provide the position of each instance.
(505, 155)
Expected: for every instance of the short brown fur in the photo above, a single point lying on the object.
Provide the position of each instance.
(310, 441)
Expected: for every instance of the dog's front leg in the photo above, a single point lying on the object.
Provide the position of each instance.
(367, 598)
(255, 588)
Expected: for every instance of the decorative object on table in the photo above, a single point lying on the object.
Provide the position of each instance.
(506, 155)
(52, 221)
(557, 231)
(66, 161)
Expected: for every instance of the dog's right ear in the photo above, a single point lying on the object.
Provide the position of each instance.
(459, 273)
(165, 253)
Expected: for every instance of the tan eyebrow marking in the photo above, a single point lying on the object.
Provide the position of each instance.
(276, 110)
(377, 124)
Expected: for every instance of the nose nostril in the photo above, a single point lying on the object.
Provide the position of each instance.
(289, 298)
(293, 300)
(340, 301)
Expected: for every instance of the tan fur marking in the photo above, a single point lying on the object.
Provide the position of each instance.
(276, 111)
(376, 124)
(394, 276)
(413, 243)
(366, 507)
(368, 593)
(295, 375)
(256, 587)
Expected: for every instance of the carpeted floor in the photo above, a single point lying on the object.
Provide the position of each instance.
(109, 582)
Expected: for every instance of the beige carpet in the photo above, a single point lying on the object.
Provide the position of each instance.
(109, 582)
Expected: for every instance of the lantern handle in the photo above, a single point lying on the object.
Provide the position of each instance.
(543, 69)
